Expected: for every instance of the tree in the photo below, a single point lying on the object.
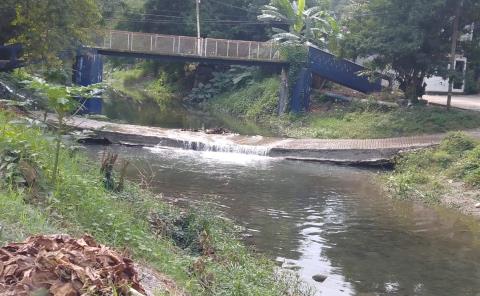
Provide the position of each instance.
(7, 15)
(313, 25)
(229, 19)
(412, 37)
(51, 28)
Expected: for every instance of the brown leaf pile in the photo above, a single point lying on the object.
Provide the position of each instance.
(61, 265)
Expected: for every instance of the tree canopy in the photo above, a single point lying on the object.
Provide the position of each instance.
(50, 27)
(410, 37)
(233, 19)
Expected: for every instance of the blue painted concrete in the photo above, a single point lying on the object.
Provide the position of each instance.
(88, 70)
(340, 71)
(10, 57)
(88, 67)
(330, 67)
(300, 100)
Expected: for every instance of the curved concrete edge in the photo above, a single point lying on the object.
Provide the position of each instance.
(362, 152)
(375, 157)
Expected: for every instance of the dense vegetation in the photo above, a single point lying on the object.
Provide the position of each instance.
(431, 173)
(336, 119)
(197, 248)
(408, 40)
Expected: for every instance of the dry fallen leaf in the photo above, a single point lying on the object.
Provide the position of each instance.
(63, 266)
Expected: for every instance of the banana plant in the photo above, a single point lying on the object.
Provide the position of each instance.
(306, 25)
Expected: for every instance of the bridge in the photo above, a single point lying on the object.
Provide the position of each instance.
(88, 67)
(10, 57)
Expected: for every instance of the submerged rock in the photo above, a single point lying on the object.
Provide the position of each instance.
(319, 278)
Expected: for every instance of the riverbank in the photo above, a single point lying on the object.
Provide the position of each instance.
(331, 118)
(448, 174)
(197, 249)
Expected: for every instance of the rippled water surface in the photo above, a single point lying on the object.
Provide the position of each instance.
(326, 220)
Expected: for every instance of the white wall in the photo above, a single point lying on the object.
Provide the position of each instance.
(437, 84)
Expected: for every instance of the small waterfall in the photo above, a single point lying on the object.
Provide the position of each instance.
(225, 147)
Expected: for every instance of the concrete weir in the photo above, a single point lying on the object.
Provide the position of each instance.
(374, 152)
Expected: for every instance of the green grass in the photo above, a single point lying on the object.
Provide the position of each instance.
(254, 102)
(423, 174)
(79, 204)
(329, 120)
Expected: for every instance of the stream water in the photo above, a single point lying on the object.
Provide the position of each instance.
(174, 115)
(328, 220)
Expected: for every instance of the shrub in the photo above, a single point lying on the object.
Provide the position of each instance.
(457, 142)
(442, 158)
(254, 101)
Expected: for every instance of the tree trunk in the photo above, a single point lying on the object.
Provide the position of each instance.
(453, 53)
(284, 93)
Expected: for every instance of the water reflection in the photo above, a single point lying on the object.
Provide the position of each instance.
(328, 220)
(172, 114)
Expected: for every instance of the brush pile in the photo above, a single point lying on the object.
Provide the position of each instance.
(61, 265)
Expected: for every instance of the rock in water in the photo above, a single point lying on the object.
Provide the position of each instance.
(477, 205)
(319, 278)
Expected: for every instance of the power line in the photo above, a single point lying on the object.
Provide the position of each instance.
(231, 6)
(184, 21)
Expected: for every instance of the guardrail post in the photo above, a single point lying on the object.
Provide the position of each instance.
(216, 48)
(206, 47)
(151, 42)
(128, 41)
(258, 51)
(238, 53)
(271, 50)
(228, 47)
(179, 41)
(249, 49)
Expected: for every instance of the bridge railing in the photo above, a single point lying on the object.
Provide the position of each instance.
(188, 46)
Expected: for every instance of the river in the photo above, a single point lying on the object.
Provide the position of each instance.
(321, 219)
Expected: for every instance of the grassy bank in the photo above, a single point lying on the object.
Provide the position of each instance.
(330, 119)
(199, 250)
(448, 174)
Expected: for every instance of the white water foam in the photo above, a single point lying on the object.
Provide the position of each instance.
(230, 158)
(224, 144)
(225, 147)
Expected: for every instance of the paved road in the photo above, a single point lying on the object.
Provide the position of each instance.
(469, 102)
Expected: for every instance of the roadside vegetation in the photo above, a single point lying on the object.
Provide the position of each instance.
(449, 173)
(198, 249)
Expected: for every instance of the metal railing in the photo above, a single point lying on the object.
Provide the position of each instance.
(188, 46)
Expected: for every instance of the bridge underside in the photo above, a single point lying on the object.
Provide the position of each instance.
(9, 57)
(192, 58)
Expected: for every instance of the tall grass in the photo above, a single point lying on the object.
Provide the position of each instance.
(424, 174)
(78, 204)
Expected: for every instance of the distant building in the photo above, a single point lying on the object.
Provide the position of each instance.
(437, 84)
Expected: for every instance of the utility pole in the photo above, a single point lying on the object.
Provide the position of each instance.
(199, 38)
(453, 52)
